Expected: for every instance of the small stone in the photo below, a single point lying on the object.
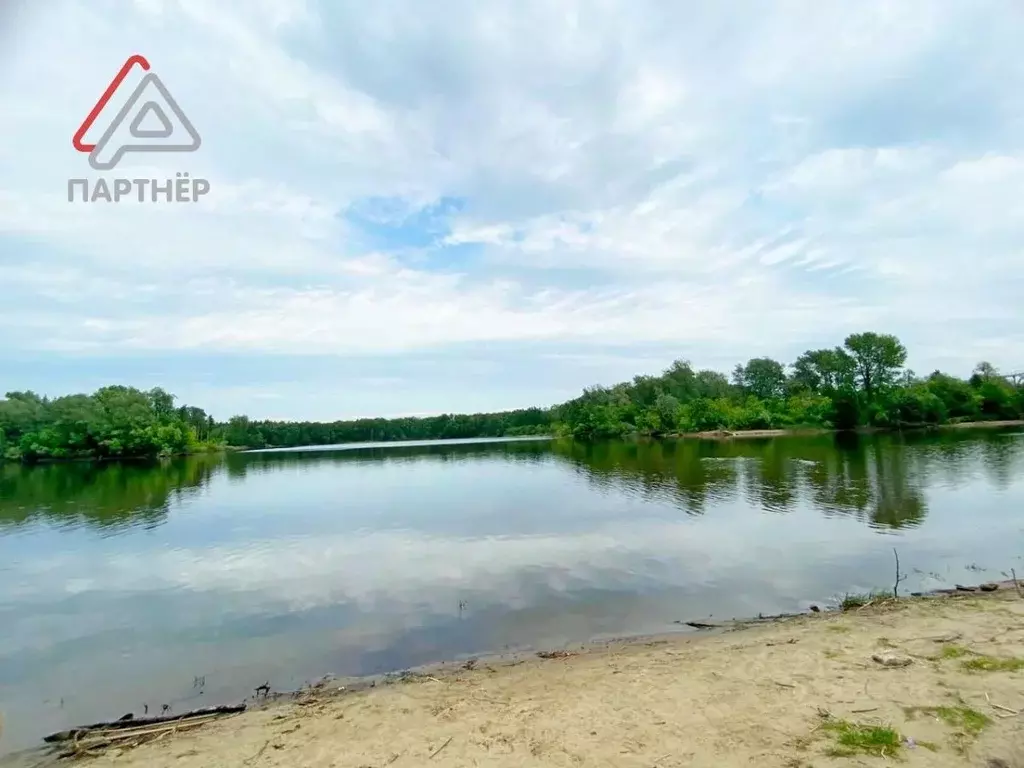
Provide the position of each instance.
(892, 660)
(962, 588)
(815, 608)
(990, 586)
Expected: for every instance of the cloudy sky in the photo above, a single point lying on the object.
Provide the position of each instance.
(467, 205)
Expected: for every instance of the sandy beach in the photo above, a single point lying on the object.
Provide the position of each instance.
(926, 682)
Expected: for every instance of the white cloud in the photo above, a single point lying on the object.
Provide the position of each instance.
(693, 176)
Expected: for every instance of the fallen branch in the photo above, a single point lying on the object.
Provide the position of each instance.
(94, 740)
(120, 725)
(1000, 706)
(701, 625)
(437, 751)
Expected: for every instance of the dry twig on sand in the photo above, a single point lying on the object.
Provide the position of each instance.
(437, 751)
(257, 756)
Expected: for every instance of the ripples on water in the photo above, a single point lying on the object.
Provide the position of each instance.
(119, 582)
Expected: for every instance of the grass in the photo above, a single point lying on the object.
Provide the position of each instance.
(837, 628)
(979, 662)
(970, 721)
(982, 663)
(953, 652)
(885, 642)
(856, 738)
(854, 600)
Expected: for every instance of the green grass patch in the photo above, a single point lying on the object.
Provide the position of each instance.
(970, 721)
(856, 738)
(980, 663)
(954, 652)
(837, 628)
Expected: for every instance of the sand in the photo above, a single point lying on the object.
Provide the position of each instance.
(762, 695)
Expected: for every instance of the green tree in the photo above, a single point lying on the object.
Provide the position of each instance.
(712, 384)
(824, 370)
(667, 408)
(877, 360)
(162, 404)
(762, 377)
(959, 400)
(983, 371)
(680, 381)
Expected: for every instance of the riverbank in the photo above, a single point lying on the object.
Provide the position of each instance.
(982, 424)
(928, 681)
(205, 450)
(725, 434)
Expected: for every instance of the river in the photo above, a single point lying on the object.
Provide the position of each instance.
(189, 582)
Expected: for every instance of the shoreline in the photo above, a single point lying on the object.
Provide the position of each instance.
(719, 434)
(725, 434)
(544, 707)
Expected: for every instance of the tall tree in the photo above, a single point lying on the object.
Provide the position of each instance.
(823, 370)
(983, 371)
(762, 377)
(680, 381)
(878, 358)
(712, 384)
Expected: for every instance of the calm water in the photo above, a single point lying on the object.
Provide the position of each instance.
(120, 583)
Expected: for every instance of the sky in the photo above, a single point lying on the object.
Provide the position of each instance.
(466, 205)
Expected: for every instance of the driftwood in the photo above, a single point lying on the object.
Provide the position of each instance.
(141, 723)
(702, 624)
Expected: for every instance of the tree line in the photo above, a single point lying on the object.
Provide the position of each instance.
(863, 382)
(125, 422)
(243, 431)
(115, 421)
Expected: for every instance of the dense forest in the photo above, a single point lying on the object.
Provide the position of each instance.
(125, 422)
(864, 382)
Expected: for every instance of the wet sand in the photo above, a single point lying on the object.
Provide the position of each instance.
(768, 694)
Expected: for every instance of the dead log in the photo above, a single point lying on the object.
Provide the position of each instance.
(84, 730)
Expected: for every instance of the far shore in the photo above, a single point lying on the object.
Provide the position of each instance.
(976, 424)
(720, 434)
(725, 434)
(929, 681)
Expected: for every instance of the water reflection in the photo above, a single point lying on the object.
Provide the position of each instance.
(105, 495)
(878, 479)
(120, 582)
